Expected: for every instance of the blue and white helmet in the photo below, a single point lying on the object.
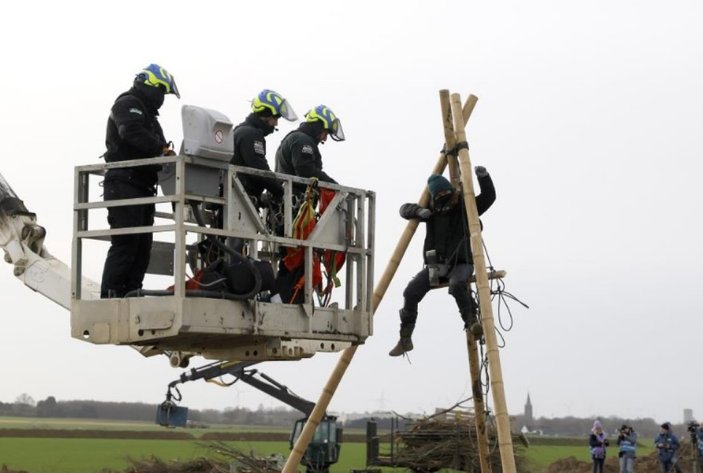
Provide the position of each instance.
(156, 76)
(329, 121)
(275, 103)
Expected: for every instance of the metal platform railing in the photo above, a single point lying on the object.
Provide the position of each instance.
(224, 328)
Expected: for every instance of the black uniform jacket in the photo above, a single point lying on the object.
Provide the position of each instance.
(250, 151)
(299, 154)
(448, 231)
(133, 132)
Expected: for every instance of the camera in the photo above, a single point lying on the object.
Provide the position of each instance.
(692, 426)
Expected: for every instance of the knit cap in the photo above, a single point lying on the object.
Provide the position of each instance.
(437, 183)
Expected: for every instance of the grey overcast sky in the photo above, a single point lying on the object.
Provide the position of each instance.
(589, 120)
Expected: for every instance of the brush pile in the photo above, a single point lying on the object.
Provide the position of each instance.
(226, 459)
(447, 441)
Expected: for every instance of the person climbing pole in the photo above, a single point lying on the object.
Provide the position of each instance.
(447, 253)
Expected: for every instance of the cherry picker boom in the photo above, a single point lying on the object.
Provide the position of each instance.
(22, 238)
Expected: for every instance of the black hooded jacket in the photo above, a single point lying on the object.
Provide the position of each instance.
(448, 230)
(133, 132)
(299, 155)
(250, 151)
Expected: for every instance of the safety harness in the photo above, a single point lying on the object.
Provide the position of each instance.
(303, 225)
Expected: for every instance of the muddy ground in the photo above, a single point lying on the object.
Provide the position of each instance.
(644, 464)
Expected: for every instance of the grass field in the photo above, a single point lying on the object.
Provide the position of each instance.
(88, 424)
(92, 455)
(541, 456)
(87, 455)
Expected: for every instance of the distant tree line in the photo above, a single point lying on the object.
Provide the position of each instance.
(25, 406)
(382, 423)
(646, 428)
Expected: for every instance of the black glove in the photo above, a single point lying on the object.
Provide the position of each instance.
(423, 213)
(409, 211)
(480, 171)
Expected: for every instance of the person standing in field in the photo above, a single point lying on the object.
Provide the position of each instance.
(699, 446)
(627, 445)
(667, 445)
(598, 444)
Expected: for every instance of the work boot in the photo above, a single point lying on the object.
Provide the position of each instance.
(405, 344)
(471, 322)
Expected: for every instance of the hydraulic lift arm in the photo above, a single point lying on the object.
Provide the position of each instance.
(22, 239)
(241, 372)
(320, 454)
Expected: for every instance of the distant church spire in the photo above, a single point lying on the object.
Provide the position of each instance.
(528, 409)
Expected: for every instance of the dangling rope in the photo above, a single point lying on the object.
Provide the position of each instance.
(497, 289)
(503, 296)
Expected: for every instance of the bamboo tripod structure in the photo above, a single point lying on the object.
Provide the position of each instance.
(484, 452)
(461, 117)
(347, 355)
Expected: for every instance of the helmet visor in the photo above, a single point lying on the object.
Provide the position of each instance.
(336, 131)
(174, 89)
(286, 111)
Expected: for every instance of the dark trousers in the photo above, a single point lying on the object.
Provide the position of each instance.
(598, 465)
(669, 465)
(128, 256)
(458, 277)
(285, 282)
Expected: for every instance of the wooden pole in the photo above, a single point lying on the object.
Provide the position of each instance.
(449, 138)
(505, 441)
(484, 452)
(347, 355)
(471, 342)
